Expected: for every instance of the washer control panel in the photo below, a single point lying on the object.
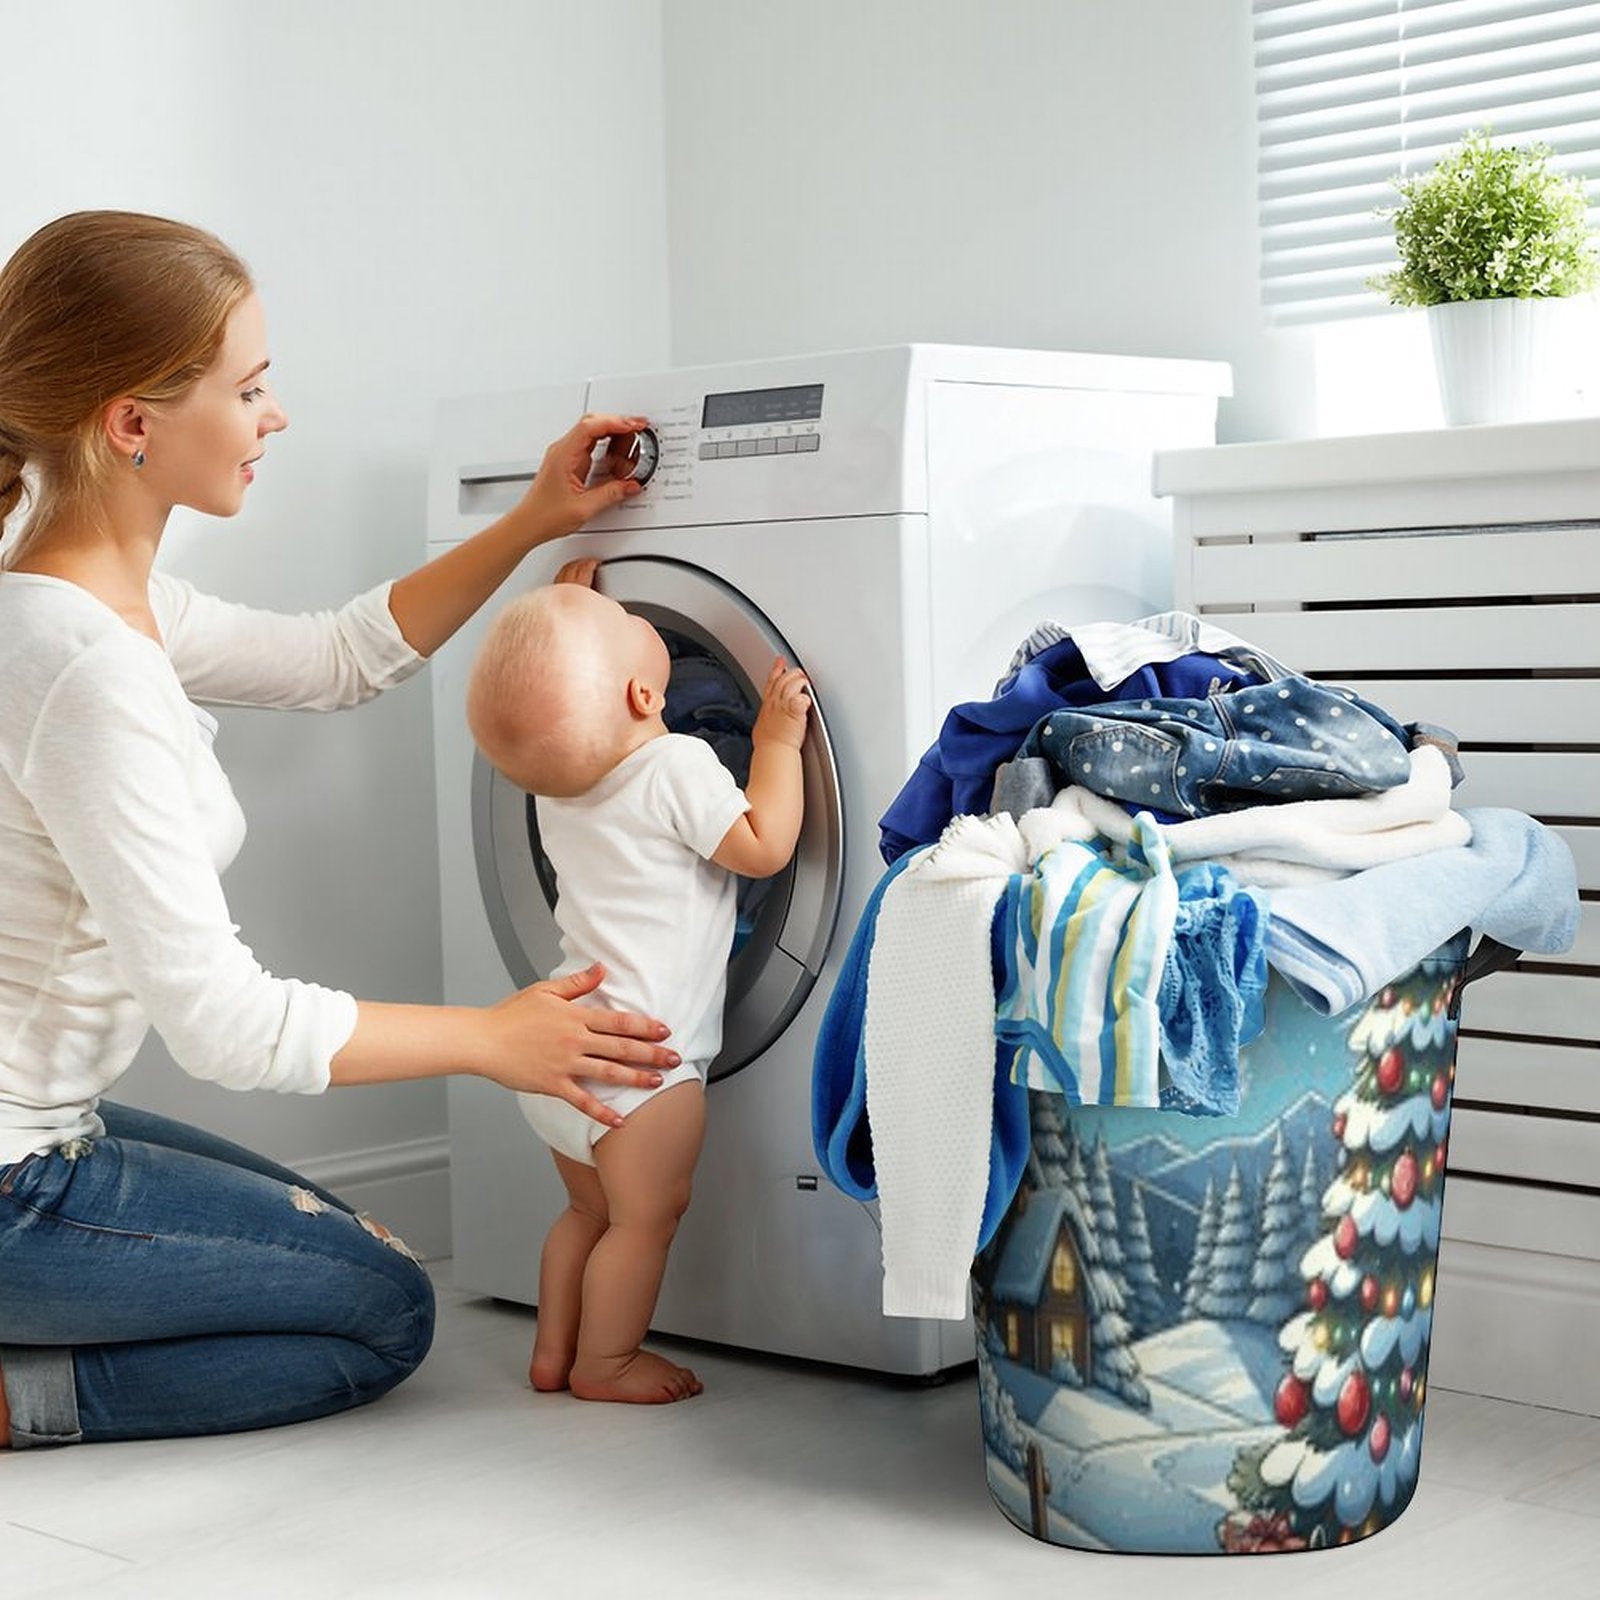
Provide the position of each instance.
(740, 423)
(799, 438)
(694, 429)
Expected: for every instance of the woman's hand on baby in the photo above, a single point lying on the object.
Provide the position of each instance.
(785, 700)
(560, 499)
(544, 1044)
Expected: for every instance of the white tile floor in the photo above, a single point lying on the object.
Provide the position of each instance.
(780, 1481)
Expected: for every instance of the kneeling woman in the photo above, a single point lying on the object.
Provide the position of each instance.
(154, 1280)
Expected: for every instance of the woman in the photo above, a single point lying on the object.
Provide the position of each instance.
(155, 1280)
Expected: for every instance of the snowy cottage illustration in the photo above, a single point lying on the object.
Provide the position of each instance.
(1040, 1297)
(1212, 1334)
(1043, 1295)
(1055, 1303)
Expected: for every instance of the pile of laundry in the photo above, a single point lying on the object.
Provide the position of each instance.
(1090, 874)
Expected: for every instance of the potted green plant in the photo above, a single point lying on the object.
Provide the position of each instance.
(1490, 241)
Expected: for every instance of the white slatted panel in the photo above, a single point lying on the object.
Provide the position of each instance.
(1516, 1217)
(1351, 92)
(1552, 1005)
(1544, 1150)
(1519, 1318)
(1488, 622)
(1550, 636)
(1469, 566)
(1492, 631)
(1494, 710)
(1557, 783)
(1513, 1072)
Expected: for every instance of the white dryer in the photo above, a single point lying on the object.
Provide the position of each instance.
(894, 521)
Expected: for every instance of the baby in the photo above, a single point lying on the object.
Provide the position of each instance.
(645, 830)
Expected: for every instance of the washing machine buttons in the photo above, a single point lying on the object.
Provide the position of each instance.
(782, 444)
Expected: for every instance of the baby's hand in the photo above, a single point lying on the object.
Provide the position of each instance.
(581, 570)
(784, 704)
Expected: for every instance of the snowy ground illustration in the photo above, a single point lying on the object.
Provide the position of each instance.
(1122, 1478)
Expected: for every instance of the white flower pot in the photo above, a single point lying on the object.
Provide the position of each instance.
(1502, 360)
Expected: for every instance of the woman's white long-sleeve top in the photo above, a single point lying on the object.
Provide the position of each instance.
(116, 822)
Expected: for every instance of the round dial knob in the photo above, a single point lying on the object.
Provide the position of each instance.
(633, 455)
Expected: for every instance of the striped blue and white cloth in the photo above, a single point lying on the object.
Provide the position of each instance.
(1087, 942)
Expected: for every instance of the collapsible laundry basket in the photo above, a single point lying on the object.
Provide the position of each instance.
(1210, 1335)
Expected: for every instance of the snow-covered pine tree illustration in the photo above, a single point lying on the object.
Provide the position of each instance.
(1274, 1279)
(1103, 1214)
(1147, 1305)
(1200, 1263)
(1226, 1291)
(1049, 1137)
(1076, 1175)
(1311, 1186)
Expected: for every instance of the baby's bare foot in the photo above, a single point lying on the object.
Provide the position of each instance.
(549, 1368)
(637, 1379)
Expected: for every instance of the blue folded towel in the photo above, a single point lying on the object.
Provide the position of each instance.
(1341, 942)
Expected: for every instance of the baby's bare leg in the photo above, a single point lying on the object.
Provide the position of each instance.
(645, 1169)
(566, 1253)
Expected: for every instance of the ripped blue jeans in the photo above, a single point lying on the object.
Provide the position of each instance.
(159, 1281)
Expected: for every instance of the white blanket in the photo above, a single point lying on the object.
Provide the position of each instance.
(930, 1051)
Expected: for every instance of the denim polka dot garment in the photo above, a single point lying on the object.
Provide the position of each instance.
(1291, 739)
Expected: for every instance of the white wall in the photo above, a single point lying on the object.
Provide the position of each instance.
(1074, 174)
(426, 197)
(504, 192)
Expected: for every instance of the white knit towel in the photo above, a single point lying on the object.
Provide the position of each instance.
(930, 1050)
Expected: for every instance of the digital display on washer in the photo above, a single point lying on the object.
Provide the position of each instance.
(743, 408)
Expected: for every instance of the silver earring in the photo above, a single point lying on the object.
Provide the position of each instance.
(138, 458)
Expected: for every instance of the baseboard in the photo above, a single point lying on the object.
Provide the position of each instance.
(405, 1186)
(1518, 1325)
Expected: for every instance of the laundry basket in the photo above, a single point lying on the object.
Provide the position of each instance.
(1210, 1335)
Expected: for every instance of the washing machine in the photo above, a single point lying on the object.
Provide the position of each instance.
(895, 521)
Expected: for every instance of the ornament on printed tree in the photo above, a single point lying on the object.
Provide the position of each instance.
(1391, 1070)
(1378, 1439)
(1292, 1400)
(1403, 1181)
(1369, 1293)
(1316, 1294)
(1355, 1401)
(1345, 1238)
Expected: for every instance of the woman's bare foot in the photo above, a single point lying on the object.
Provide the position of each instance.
(637, 1379)
(549, 1368)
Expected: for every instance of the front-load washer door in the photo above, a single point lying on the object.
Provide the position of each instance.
(721, 648)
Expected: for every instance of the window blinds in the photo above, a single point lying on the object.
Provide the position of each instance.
(1350, 93)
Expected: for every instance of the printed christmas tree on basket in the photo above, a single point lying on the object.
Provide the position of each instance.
(1353, 1393)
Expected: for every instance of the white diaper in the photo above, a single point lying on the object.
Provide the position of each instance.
(569, 1131)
